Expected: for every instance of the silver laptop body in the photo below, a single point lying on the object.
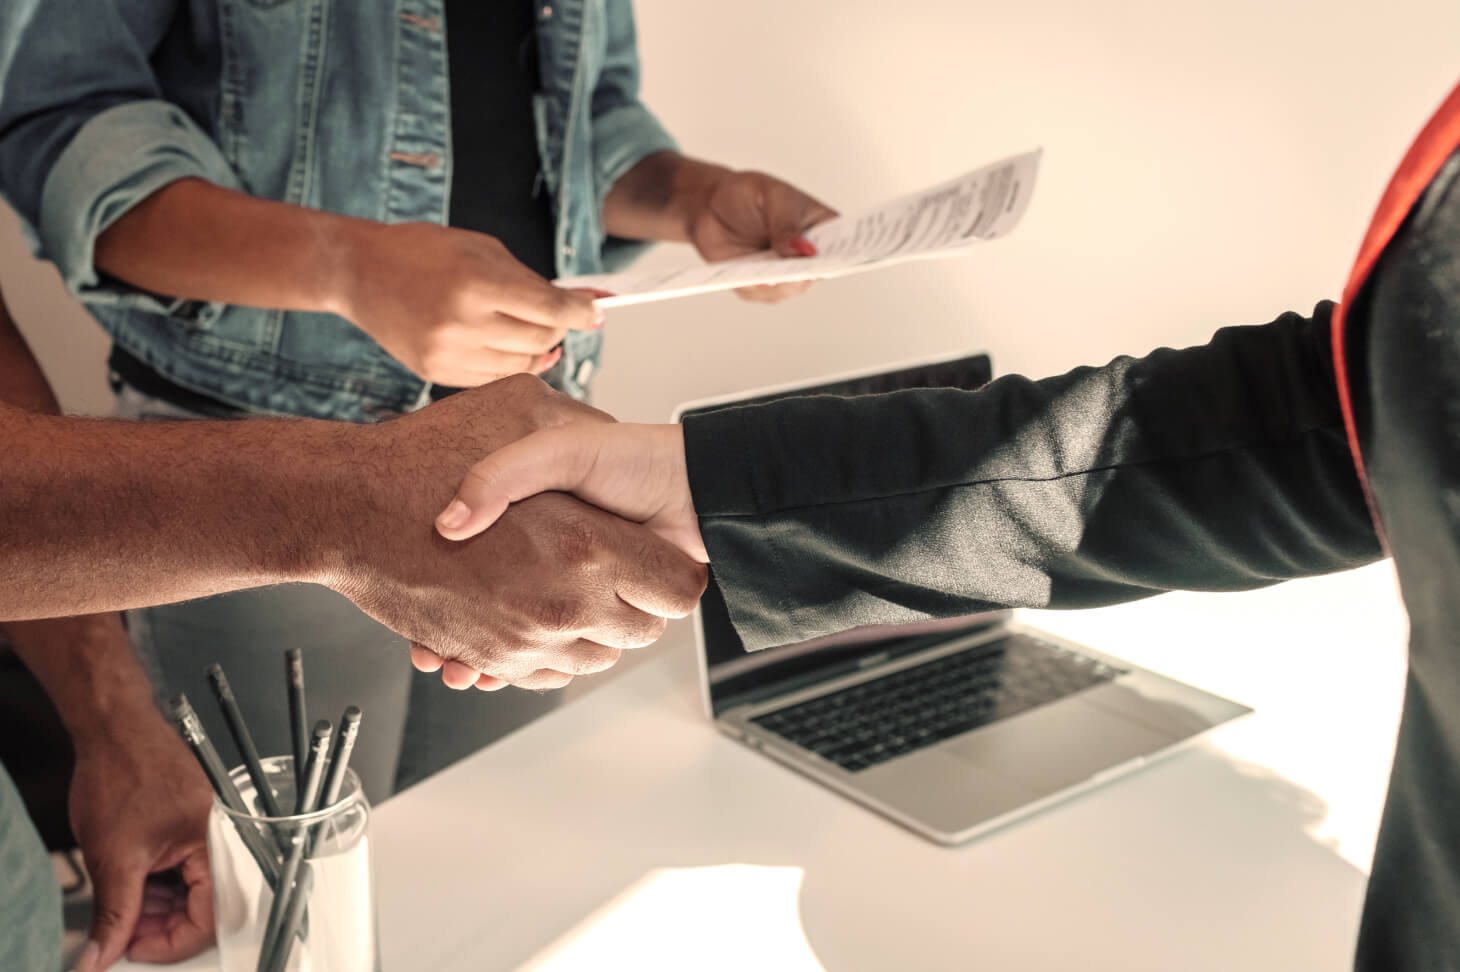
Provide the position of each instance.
(953, 727)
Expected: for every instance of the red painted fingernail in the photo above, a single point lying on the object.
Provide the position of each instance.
(803, 247)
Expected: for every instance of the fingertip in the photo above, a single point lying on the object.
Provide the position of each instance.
(597, 317)
(424, 659)
(461, 521)
(90, 956)
(454, 517)
(803, 247)
(457, 676)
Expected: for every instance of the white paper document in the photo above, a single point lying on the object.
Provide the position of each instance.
(942, 221)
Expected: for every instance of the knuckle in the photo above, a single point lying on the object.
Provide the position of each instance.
(566, 304)
(484, 657)
(555, 408)
(576, 544)
(687, 586)
(542, 679)
(544, 339)
(597, 658)
(110, 915)
(479, 479)
(553, 680)
(556, 614)
(649, 631)
(529, 387)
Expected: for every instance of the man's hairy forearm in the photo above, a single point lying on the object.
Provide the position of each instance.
(656, 199)
(85, 663)
(98, 515)
(198, 241)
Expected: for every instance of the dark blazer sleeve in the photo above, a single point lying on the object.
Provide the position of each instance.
(1216, 468)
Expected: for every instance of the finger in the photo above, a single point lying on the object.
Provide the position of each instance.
(656, 576)
(502, 333)
(544, 362)
(164, 939)
(582, 656)
(589, 657)
(489, 365)
(543, 680)
(773, 293)
(115, 910)
(188, 929)
(535, 300)
(456, 675)
(424, 659)
(159, 891)
(790, 213)
(163, 904)
(552, 459)
(150, 927)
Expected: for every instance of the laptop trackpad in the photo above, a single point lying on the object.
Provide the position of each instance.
(1057, 745)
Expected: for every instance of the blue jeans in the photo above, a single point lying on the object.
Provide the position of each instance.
(30, 900)
(413, 725)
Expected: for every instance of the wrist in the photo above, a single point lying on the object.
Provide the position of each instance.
(336, 498)
(91, 673)
(661, 197)
(352, 248)
(350, 495)
(695, 183)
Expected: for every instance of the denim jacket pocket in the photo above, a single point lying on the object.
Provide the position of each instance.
(273, 51)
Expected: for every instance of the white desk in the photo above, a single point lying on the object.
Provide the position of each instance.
(622, 832)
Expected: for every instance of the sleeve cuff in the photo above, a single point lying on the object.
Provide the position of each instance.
(117, 159)
(744, 557)
(622, 138)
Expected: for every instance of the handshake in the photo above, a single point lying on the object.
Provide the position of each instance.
(511, 587)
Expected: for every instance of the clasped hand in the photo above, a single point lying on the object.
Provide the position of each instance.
(557, 588)
(637, 472)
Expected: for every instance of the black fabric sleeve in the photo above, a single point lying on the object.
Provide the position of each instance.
(1221, 467)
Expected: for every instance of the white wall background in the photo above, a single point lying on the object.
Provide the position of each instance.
(1206, 164)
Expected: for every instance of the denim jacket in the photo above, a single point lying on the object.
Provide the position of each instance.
(339, 105)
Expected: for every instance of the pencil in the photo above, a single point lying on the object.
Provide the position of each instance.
(223, 692)
(197, 739)
(314, 766)
(314, 773)
(339, 761)
(340, 757)
(298, 732)
(293, 918)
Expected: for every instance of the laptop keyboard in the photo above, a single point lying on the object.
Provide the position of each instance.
(872, 722)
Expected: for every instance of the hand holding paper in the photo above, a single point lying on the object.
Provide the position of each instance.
(942, 221)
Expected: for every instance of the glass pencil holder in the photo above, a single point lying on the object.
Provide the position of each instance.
(293, 893)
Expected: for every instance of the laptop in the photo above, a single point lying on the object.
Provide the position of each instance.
(950, 727)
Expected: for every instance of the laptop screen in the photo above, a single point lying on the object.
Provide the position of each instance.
(736, 676)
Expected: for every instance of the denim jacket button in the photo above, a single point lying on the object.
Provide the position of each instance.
(568, 250)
